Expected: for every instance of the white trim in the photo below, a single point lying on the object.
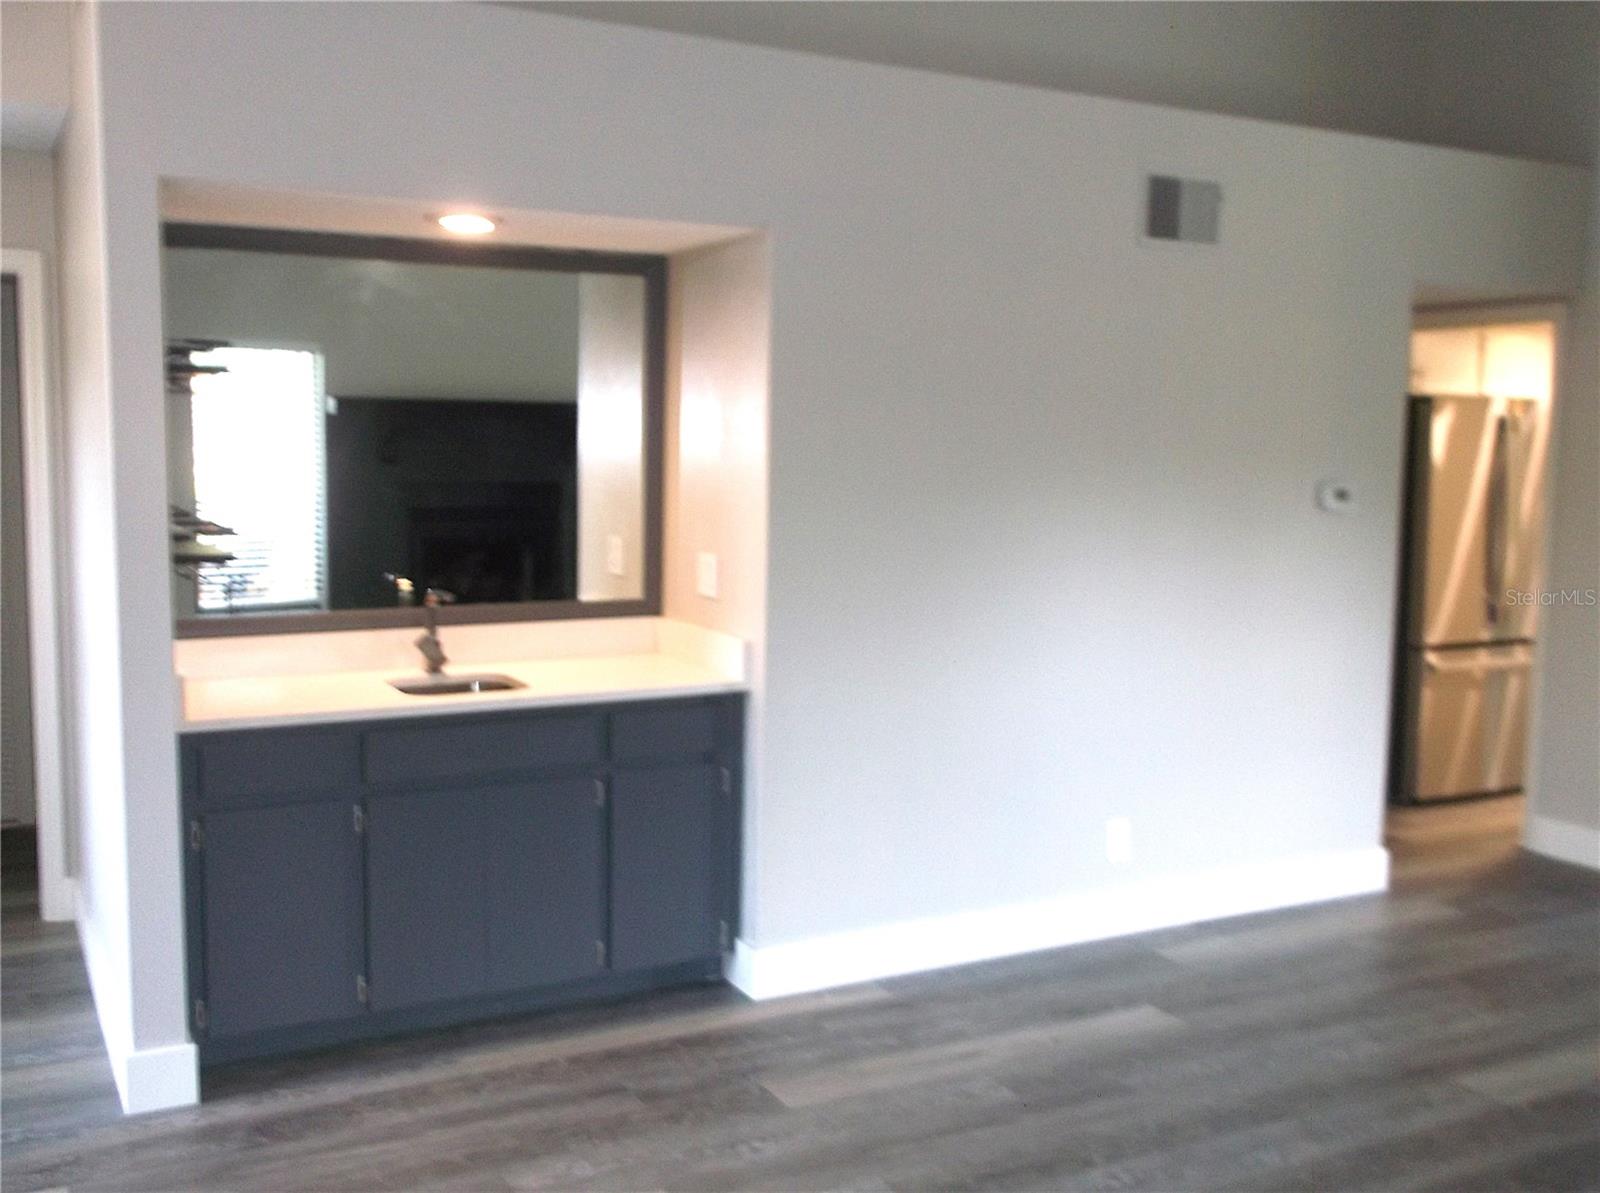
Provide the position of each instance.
(103, 990)
(1553, 312)
(147, 1079)
(1563, 840)
(1540, 833)
(159, 1078)
(912, 946)
(41, 448)
(1474, 314)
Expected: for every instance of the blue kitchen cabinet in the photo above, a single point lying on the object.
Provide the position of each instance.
(361, 879)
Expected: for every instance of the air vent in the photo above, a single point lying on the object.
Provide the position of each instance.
(1183, 209)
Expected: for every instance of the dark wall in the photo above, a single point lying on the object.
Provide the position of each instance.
(411, 483)
(16, 712)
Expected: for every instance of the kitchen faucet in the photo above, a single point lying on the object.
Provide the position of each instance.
(432, 650)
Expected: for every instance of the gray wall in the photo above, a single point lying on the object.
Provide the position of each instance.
(27, 221)
(17, 801)
(28, 201)
(388, 329)
(34, 69)
(1042, 547)
(125, 947)
(611, 405)
(1567, 749)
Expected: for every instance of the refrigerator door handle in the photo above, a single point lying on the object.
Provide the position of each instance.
(1474, 662)
(1494, 516)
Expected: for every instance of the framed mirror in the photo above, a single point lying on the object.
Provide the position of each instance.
(355, 421)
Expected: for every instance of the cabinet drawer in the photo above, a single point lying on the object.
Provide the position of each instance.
(262, 766)
(691, 729)
(458, 751)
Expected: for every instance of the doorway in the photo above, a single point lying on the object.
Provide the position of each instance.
(1472, 551)
(18, 798)
(33, 716)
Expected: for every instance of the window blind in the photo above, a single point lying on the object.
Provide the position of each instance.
(258, 470)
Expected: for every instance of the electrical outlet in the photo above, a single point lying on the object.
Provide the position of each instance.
(1119, 840)
(614, 563)
(705, 574)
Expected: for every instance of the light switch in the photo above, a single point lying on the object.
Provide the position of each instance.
(705, 574)
(614, 563)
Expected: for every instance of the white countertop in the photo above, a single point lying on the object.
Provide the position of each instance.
(311, 699)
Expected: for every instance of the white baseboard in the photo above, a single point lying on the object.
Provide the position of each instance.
(146, 1078)
(1563, 840)
(912, 946)
(160, 1078)
(58, 900)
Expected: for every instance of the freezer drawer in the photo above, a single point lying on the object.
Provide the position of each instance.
(1469, 720)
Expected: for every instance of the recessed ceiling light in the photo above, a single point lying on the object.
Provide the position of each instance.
(467, 223)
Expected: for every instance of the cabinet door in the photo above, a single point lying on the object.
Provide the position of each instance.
(667, 840)
(281, 890)
(425, 897)
(545, 859)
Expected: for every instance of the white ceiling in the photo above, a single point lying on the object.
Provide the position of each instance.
(1515, 78)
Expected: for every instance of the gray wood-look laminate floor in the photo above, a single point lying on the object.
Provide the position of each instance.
(1442, 1037)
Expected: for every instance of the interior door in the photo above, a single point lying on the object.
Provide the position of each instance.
(1472, 721)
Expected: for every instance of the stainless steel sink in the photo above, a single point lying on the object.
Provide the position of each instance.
(455, 685)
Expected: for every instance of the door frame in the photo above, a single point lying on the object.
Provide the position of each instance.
(41, 454)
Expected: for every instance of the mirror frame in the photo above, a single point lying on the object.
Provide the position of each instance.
(652, 268)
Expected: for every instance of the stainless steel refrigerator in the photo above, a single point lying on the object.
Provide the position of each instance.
(1469, 610)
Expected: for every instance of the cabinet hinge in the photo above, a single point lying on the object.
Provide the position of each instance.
(727, 781)
(599, 793)
(722, 935)
(599, 952)
(361, 988)
(197, 836)
(358, 818)
(200, 1015)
